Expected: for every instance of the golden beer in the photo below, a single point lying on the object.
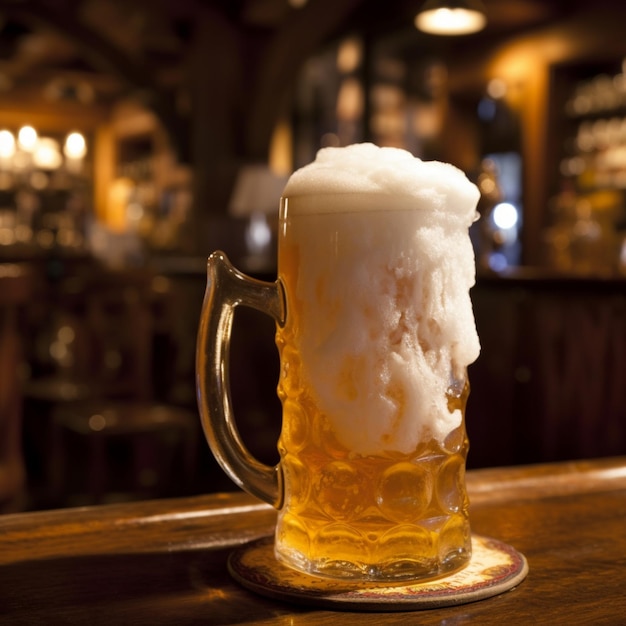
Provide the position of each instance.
(374, 512)
(375, 331)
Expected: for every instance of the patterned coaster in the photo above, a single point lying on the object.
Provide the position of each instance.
(495, 567)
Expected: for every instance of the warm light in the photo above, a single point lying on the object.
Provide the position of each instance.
(349, 55)
(38, 180)
(47, 155)
(450, 18)
(281, 149)
(27, 138)
(350, 100)
(119, 193)
(75, 146)
(496, 88)
(7, 144)
(505, 215)
(97, 422)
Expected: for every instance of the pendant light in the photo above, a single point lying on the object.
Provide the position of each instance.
(451, 17)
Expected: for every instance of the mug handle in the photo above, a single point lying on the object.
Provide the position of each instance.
(227, 288)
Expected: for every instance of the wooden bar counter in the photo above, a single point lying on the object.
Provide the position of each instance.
(164, 562)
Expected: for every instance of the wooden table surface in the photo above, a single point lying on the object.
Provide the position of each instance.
(164, 562)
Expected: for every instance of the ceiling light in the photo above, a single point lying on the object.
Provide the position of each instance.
(7, 144)
(75, 146)
(27, 138)
(47, 155)
(451, 17)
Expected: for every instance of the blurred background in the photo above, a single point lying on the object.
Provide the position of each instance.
(137, 136)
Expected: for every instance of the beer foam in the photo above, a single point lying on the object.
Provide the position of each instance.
(387, 322)
(368, 169)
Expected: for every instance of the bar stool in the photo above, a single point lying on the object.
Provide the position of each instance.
(128, 444)
(133, 450)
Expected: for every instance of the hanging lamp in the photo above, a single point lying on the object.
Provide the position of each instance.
(451, 17)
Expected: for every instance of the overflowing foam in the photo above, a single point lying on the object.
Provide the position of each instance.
(386, 327)
(367, 169)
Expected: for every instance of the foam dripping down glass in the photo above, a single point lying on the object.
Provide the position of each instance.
(375, 331)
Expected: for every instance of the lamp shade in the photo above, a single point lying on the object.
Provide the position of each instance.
(451, 17)
(257, 190)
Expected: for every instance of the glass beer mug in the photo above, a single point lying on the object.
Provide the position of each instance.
(370, 485)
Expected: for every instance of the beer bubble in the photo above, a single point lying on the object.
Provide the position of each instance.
(295, 430)
(449, 485)
(404, 547)
(297, 482)
(291, 531)
(404, 492)
(342, 542)
(340, 491)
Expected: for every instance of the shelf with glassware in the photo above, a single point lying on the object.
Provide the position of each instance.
(142, 194)
(45, 192)
(587, 213)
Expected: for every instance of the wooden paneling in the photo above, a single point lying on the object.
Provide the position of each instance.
(550, 382)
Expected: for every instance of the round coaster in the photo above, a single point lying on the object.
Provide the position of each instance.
(495, 567)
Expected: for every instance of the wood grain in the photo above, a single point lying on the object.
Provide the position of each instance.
(164, 562)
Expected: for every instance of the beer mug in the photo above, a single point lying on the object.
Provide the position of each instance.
(374, 329)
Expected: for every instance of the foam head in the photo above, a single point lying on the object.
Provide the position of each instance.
(386, 319)
(368, 169)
